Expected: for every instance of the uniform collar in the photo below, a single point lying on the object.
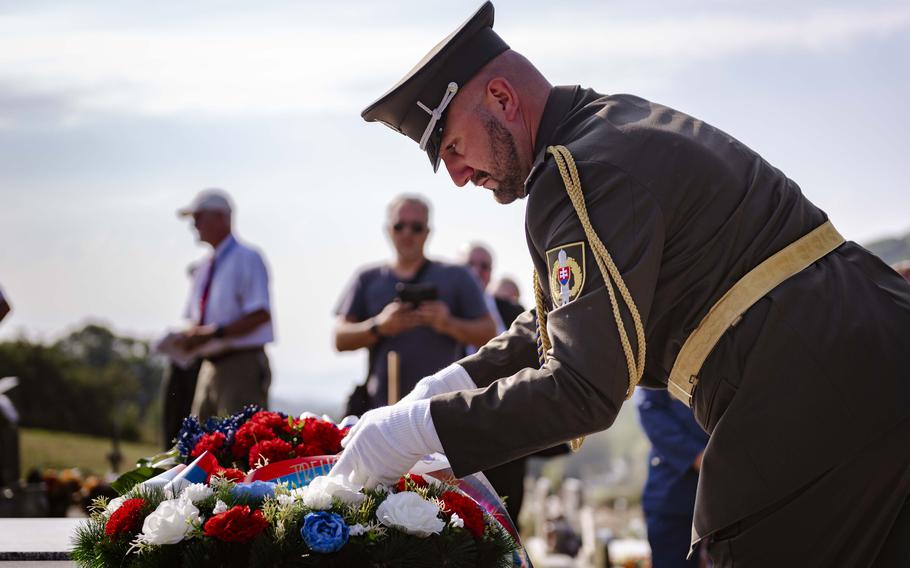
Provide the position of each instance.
(554, 112)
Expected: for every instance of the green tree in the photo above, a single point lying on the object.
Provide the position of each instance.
(91, 381)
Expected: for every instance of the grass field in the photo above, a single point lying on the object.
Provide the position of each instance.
(60, 450)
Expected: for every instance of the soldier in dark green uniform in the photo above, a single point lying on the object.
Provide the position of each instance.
(716, 277)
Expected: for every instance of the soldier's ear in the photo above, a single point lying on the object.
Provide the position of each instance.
(503, 97)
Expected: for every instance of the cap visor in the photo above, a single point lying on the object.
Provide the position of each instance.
(434, 160)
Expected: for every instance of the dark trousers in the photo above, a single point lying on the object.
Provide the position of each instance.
(177, 389)
(669, 537)
(856, 514)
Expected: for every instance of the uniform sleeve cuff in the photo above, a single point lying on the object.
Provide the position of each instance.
(455, 378)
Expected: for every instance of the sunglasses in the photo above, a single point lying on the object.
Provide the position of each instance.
(416, 227)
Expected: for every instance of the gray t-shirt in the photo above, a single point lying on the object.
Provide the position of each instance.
(421, 351)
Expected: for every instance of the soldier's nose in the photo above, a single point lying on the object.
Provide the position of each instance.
(460, 173)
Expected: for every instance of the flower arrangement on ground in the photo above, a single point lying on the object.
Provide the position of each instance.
(418, 522)
(251, 490)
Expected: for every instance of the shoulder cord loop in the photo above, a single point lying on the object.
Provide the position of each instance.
(611, 276)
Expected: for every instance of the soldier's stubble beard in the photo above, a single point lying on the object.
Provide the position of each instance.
(509, 171)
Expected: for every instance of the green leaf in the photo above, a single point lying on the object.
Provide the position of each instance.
(132, 478)
(166, 459)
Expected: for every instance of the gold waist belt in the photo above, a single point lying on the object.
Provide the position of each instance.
(749, 289)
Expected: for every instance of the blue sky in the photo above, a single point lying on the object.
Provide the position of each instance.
(114, 114)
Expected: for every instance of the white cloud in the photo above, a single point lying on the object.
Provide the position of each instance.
(714, 36)
(275, 63)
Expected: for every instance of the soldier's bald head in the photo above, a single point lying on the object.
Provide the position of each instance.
(513, 67)
(492, 124)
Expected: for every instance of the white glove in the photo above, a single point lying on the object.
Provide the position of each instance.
(452, 378)
(386, 443)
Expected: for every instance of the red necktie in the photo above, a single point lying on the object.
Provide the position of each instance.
(204, 300)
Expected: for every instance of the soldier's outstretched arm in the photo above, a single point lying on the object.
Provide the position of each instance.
(584, 381)
(503, 356)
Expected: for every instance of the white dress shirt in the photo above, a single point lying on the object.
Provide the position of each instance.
(240, 286)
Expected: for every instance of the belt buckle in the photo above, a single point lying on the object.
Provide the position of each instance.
(683, 393)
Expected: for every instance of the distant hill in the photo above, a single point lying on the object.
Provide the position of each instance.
(892, 249)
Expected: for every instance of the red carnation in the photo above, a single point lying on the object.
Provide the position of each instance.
(271, 450)
(305, 450)
(248, 435)
(213, 442)
(127, 519)
(415, 479)
(272, 421)
(466, 509)
(237, 524)
(322, 434)
(228, 473)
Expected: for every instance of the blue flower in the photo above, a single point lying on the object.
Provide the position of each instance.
(244, 414)
(190, 432)
(324, 532)
(255, 491)
(229, 425)
(211, 425)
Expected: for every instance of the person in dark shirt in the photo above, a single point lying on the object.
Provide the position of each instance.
(506, 289)
(426, 337)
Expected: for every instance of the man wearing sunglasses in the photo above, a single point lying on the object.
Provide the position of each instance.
(426, 333)
(668, 254)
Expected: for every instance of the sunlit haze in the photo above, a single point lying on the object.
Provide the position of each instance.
(113, 115)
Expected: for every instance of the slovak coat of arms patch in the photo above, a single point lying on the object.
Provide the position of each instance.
(567, 272)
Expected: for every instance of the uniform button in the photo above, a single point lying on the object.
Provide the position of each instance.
(655, 461)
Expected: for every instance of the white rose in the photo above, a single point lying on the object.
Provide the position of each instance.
(319, 493)
(220, 507)
(114, 505)
(169, 523)
(285, 500)
(456, 521)
(411, 513)
(197, 492)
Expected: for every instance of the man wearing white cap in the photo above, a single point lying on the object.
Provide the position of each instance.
(231, 313)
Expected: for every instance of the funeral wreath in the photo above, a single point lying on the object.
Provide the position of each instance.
(251, 490)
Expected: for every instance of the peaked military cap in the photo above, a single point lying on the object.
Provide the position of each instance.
(416, 105)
